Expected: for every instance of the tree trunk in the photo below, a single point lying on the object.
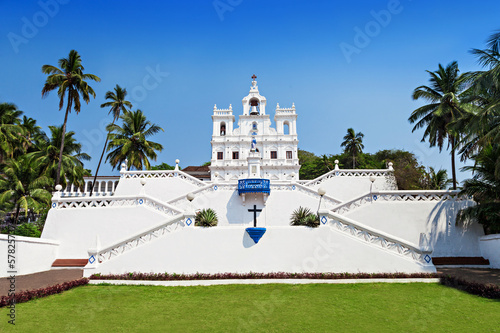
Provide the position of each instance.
(353, 160)
(63, 135)
(453, 173)
(100, 160)
(16, 217)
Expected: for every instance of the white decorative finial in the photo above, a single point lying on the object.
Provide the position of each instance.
(124, 167)
(215, 107)
(230, 106)
(293, 105)
(321, 191)
(190, 196)
(390, 166)
(336, 164)
(177, 165)
(143, 181)
(58, 187)
(277, 105)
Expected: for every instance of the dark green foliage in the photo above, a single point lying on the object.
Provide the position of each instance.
(484, 188)
(206, 218)
(304, 216)
(162, 166)
(27, 230)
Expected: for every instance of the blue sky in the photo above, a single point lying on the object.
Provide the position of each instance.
(204, 53)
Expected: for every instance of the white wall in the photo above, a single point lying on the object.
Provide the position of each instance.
(76, 228)
(490, 249)
(31, 254)
(281, 249)
(346, 188)
(160, 188)
(230, 209)
(407, 219)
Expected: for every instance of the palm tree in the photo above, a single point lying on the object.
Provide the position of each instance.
(11, 133)
(484, 188)
(128, 142)
(353, 143)
(118, 104)
(437, 180)
(445, 107)
(23, 187)
(32, 131)
(47, 156)
(69, 80)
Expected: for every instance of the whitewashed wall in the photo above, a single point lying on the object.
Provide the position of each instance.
(76, 228)
(281, 249)
(407, 219)
(490, 249)
(161, 188)
(349, 187)
(31, 254)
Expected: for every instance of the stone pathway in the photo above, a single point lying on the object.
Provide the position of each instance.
(40, 280)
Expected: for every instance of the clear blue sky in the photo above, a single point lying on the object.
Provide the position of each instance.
(210, 49)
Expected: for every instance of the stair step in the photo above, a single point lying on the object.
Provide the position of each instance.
(70, 263)
(476, 261)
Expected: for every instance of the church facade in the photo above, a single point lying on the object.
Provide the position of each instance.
(235, 149)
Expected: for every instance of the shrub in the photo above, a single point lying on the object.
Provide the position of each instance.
(28, 230)
(304, 216)
(206, 218)
(480, 289)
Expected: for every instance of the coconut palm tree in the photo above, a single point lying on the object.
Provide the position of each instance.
(445, 107)
(129, 141)
(23, 187)
(437, 180)
(11, 133)
(353, 144)
(118, 104)
(484, 188)
(47, 157)
(70, 82)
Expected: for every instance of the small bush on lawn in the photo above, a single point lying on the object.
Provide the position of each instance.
(28, 295)
(206, 218)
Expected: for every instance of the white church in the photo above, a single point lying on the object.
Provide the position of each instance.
(143, 221)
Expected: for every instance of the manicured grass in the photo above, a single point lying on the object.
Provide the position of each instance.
(415, 307)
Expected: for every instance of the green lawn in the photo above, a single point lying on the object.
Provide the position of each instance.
(415, 307)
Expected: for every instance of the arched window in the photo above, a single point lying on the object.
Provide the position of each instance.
(286, 128)
(222, 128)
(89, 186)
(110, 186)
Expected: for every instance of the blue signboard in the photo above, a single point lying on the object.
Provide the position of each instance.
(253, 186)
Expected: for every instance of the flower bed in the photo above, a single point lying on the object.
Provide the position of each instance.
(277, 275)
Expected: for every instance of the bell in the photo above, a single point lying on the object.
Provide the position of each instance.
(254, 110)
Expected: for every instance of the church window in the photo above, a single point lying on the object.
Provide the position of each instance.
(254, 126)
(274, 155)
(288, 155)
(236, 155)
(223, 129)
(220, 155)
